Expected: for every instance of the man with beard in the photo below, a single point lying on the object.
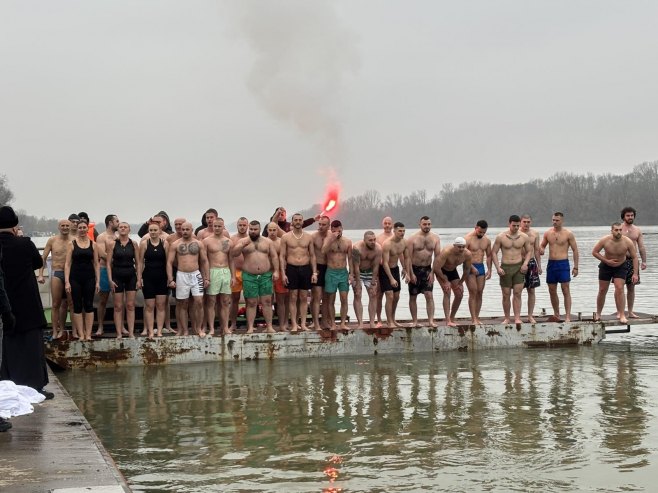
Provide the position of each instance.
(279, 217)
(422, 248)
(299, 270)
(631, 231)
(393, 252)
(23, 359)
(366, 260)
(617, 250)
(338, 252)
(192, 277)
(56, 245)
(259, 269)
(479, 244)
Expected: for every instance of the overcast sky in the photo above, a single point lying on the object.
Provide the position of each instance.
(132, 106)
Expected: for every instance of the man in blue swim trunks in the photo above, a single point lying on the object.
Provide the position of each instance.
(559, 241)
(479, 244)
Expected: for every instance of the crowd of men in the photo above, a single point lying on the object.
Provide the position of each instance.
(281, 266)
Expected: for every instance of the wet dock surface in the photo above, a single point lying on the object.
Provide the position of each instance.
(55, 449)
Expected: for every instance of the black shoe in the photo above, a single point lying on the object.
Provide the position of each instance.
(4, 425)
(47, 394)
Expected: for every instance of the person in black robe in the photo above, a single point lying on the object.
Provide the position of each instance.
(23, 358)
(7, 321)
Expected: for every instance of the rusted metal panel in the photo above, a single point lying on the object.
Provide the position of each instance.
(109, 352)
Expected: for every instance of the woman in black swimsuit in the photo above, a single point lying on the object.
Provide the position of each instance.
(153, 258)
(81, 277)
(125, 274)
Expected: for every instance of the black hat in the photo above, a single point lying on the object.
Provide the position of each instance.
(74, 217)
(8, 218)
(83, 215)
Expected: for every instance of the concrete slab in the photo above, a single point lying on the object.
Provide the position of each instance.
(55, 448)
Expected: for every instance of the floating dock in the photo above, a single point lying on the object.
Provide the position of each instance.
(111, 352)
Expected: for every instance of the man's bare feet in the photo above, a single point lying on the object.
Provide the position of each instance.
(294, 329)
(554, 318)
(532, 320)
(633, 315)
(143, 333)
(250, 330)
(596, 318)
(505, 321)
(270, 330)
(304, 328)
(99, 332)
(379, 324)
(344, 327)
(567, 318)
(623, 320)
(450, 323)
(518, 321)
(398, 324)
(433, 324)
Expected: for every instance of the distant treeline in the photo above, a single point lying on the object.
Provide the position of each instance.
(585, 200)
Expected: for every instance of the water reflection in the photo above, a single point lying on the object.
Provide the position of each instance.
(517, 420)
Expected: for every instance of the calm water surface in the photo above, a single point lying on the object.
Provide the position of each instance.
(581, 419)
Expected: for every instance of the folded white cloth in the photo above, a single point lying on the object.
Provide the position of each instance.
(16, 400)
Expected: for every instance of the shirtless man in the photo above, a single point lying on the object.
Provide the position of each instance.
(445, 269)
(617, 249)
(534, 265)
(387, 234)
(393, 251)
(422, 248)
(479, 244)
(238, 260)
(629, 230)
(280, 291)
(178, 230)
(210, 215)
(176, 235)
(338, 252)
(104, 239)
(319, 298)
(259, 269)
(222, 277)
(366, 262)
(559, 240)
(298, 264)
(57, 246)
(192, 277)
(517, 251)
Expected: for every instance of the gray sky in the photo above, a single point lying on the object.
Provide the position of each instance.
(135, 106)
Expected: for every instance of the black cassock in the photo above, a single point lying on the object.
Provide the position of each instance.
(23, 359)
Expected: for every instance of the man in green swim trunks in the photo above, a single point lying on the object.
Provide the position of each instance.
(338, 251)
(513, 243)
(260, 267)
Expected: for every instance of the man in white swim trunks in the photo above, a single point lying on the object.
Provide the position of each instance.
(192, 278)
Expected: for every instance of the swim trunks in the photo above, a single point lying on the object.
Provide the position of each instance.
(279, 288)
(630, 271)
(337, 280)
(366, 277)
(188, 283)
(299, 276)
(557, 271)
(220, 281)
(424, 280)
(385, 282)
(237, 287)
(606, 272)
(104, 282)
(480, 268)
(513, 275)
(59, 274)
(532, 275)
(322, 272)
(452, 275)
(255, 285)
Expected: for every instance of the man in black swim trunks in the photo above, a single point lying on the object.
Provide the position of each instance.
(393, 251)
(445, 269)
(422, 248)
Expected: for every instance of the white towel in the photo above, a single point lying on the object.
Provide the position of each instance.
(16, 400)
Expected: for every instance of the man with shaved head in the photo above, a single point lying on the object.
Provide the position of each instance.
(387, 234)
(192, 278)
(56, 245)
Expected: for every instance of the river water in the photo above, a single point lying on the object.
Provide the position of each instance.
(576, 419)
